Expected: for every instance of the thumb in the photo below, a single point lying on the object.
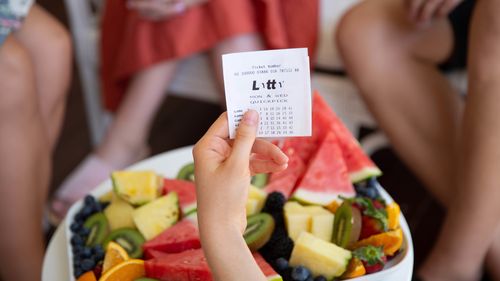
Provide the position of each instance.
(245, 137)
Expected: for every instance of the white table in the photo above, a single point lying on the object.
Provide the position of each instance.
(56, 263)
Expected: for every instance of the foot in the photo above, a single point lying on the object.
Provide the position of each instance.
(90, 173)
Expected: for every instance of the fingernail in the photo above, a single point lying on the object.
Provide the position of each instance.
(251, 117)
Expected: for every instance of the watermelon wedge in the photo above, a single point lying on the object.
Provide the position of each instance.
(154, 254)
(359, 165)
(178, 238)
(191, 265)
(326, 177)
(186, 191)
(286, 180)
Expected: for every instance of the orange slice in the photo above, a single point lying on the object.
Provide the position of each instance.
(87, 276)
(126, 271)
(393, 212)
(115, 255)
(390, 240)
(355, 268)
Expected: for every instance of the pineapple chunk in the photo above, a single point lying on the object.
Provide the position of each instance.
(256, 200)
(321, 257)
(119, 214)
(313, 219)
(156, 216)
(136, 187)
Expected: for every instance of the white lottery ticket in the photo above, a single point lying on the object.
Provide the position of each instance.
(275, 83)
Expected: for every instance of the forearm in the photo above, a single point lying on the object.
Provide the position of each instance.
(228, 255)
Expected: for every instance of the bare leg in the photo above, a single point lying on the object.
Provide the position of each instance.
(475, 214)
(24, 166)
(394, 65)
(242, 43)
(49, 47)
(125, 141)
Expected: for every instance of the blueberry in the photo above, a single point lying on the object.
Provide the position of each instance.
(79, 218)
(77, 240)
(320, 278)
(77, 249)
(89, 200)
(87, 264)
(84, 232)
(86, 211)
(310, 278)
(78, 272)
(86, 253)
(98, 252)
(75, 227)
(300, 273)
(281, 264)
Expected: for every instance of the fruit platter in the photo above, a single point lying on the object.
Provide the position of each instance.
(325, 217)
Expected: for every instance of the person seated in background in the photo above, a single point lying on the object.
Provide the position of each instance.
(223, 170)
(393, 50)
(142, 43)
(35, 70)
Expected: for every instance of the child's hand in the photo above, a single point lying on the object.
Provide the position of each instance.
(223, 169)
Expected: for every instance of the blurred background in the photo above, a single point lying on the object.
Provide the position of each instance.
(192, 105)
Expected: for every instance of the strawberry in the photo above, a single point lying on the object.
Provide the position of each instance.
(370, 226)
(372, 257)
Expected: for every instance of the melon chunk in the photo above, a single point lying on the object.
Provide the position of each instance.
(154, 217)
(319, 256)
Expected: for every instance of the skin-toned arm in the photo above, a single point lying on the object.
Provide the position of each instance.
(475, 213)
(222, 170)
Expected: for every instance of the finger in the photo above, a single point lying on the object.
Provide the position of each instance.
(270, 151)
(446, 8)
(258, 166)
(428, 10)
(245, 137)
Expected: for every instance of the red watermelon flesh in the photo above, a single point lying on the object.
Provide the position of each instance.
(286, 180)
(186, 191)
(326, 177)
(181, 237)
(191, 265)
(359, 165)
(154, 254)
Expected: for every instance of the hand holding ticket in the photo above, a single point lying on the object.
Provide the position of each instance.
(276, 83)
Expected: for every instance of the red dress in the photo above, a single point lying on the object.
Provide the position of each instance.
(130, 43)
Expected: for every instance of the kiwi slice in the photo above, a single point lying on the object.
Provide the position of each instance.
(258, 231)
(347, 225)
(186, 172)
(130, 239)
(98, 227)
(260, 180)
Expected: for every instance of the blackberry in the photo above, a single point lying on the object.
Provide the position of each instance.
(274, 203)
(279, 246)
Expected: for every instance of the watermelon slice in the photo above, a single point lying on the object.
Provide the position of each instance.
(326, 177)
(286, 180)
(186, 191)
(178, 238)
(154, 254)
(359, 165)
(191, 265)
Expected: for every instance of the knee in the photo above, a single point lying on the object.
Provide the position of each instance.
(17, 80)
(368, 31)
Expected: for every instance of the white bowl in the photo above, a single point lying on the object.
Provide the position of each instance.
(168, 164)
